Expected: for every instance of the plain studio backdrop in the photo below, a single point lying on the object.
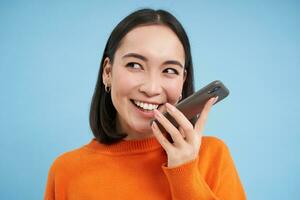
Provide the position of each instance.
(49, 60)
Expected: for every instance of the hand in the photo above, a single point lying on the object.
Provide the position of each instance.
(187, 139)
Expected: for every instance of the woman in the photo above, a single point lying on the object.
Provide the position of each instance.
(146, 68)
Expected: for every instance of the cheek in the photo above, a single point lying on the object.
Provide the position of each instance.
(123, 83)
(173, 90)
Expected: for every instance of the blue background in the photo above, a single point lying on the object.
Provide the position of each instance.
(49, 60)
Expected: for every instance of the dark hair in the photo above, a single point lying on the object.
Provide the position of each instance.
(102, 112)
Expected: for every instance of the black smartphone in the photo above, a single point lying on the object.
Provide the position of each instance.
(193, 105)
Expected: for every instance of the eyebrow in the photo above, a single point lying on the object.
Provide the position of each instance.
(135, 55)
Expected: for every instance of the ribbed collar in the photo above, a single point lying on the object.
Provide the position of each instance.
(125, 146)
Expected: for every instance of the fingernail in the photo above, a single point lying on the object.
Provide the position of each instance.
(170, 107)
(154, 125)
(216, 99)
(157, 114)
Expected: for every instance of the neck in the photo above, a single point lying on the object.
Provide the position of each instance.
(133, 135)
(138, 136)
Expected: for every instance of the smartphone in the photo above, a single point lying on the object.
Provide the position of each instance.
(193, 105)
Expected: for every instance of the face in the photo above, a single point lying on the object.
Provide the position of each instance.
(147, 72)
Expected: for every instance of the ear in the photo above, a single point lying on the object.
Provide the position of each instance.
(184, 75)
(107, 71)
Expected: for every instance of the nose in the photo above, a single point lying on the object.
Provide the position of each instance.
(151, 86)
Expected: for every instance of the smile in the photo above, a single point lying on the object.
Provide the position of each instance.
(144, 105)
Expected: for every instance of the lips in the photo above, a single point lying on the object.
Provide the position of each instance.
(145, 110)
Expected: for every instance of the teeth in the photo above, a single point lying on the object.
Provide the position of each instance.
(146, 106)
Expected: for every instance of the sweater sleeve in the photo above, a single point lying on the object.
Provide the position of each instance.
(187, 182)
(49, 192)
(57, 180)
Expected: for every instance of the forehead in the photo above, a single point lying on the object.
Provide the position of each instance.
(154, 42)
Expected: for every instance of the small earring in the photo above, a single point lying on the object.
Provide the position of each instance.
(107, 89)
(180, 97)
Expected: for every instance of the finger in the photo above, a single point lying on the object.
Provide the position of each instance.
(182, 132)
(182, 121)
(160, 137)
(199, 126)
(170, 128)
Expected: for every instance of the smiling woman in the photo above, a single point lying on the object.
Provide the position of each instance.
(146, 68)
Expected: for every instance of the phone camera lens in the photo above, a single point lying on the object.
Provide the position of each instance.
(216, 88)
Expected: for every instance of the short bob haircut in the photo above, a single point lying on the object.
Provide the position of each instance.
(102, 112)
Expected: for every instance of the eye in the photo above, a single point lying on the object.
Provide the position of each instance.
(171, 71)
(133, 65)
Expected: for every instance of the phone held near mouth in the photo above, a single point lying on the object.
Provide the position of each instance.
(193, 105)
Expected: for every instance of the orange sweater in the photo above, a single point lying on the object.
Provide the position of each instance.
(136, 169)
